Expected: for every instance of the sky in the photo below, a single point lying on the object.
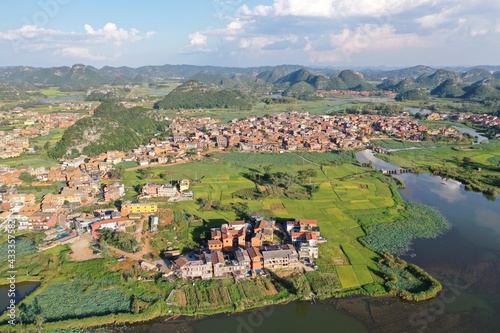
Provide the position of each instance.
(245, 33)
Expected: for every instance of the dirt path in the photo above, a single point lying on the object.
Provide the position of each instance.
(145, 246)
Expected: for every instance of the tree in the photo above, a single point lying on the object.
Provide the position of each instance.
(267, 168)
(284, 179)
(26, 178)
(468, 160)
(46, 146)
(117, 172)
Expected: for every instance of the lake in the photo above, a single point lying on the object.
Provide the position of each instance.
(22, 290)
(361, 99)
(60, 99)
(466, 260)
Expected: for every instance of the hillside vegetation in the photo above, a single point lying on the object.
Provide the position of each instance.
(112, 127)
(195, 95)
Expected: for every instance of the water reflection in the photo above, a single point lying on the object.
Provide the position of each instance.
(450, 190)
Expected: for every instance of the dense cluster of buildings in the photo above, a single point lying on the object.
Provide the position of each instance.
(238, 248)
(166, 190)
(22, 208)
(290, 131)
(30, 125)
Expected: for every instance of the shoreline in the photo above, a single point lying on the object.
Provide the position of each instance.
(157, 311)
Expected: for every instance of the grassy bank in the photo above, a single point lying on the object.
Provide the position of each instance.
(477, 166)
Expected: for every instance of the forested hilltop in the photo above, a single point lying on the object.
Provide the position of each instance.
(112, 127)
(194, 95)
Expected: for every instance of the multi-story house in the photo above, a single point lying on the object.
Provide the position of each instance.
(188, 268)
(284, 258)
(256, 258)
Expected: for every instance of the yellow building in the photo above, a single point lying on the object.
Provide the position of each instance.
(138, 208)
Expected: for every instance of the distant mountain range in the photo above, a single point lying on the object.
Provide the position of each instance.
(293, 80)
(82, 75)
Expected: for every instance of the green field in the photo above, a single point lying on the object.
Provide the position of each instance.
(339, 196)
(475, 166)
(347, 277)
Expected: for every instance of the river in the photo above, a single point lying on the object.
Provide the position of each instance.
(473, 132)
(466, 260)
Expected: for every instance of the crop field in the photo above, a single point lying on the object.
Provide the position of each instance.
(322, 283)
(355, 258)
(481, 153)
(363, 274)
(402, 144)
(345, 190)
(347, 277)
(54, 92)
(79, 301)
(224, 294)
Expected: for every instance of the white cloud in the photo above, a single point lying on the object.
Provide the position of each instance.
(78, 45)
(257, 42)
(198, 38)
(367, 37)
(78, 52)
(110, 32)
(350, 31)
(332, 8)
(235, 27)
(30, 32)
(436, 19)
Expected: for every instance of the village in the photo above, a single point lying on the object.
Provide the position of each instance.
(34, 124)
(236, 248)
(82, 176)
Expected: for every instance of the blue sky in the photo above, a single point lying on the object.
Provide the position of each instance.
(246, 33)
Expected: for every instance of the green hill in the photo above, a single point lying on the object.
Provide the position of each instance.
(195, 95)
(476, 74)
(349, 80)
(482, 90)
(399, 74)
(113, 127)
(399, 87)
(18, 92)
(413, 95)
(435, 79)
(301, 90)
(271, 76)
(450, 88)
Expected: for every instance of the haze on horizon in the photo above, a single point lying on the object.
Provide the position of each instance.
(244, 33)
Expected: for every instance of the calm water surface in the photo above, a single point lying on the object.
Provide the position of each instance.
(22, 290)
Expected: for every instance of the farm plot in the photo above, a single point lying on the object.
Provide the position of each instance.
(224, 294)
(322, 283)
(363, 274)
(355, 258)
(347, 277)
